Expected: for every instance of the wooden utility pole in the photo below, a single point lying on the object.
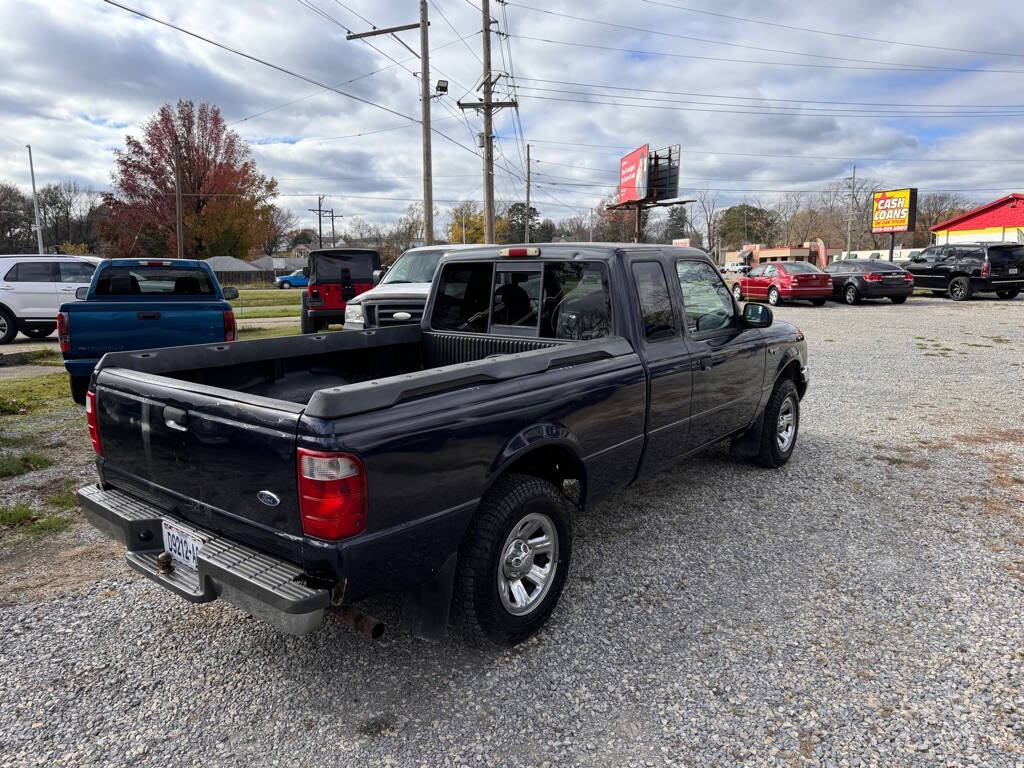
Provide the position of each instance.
(319, 211)
(526, 237)
(179, 218)
(849, 213)
(332, 216)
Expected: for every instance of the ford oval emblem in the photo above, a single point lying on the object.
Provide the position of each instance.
(268, 498)
(402, 316)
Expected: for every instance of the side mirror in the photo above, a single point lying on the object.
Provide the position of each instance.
(230, 293)
(82, 293)
(757, 316)
(377, 275)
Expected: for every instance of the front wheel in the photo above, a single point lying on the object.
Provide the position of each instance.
(39, 331)
(1011, 294)
(513, 561)
(780, 426)
(737, 292)
(898, 299)
(773, 296)
(959, 289)
(8, 327)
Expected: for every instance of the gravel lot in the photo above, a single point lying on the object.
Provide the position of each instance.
(862, 606)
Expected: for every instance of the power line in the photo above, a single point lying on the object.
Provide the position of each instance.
(452, 26)
(731, 44)
(832, 34)
(809, 65)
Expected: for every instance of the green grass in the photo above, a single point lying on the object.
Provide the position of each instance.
(62, 499)
(268, 312)
(12, 466)
(46, 525)
(35, 357)
(21, 517)
(37, 393)
(16, 515)
(245, 334)
(275, 297)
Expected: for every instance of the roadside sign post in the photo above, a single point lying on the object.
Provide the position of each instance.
(892, 211)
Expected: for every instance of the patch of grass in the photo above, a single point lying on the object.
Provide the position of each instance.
(48, 525)
(62, 499)
(35, 357)
(37, 393)
(997, 339)
(21, 517)
(11, 466)
(898, 461)
(270, 312)
(19, 514)
(244, 334)
(275, 297)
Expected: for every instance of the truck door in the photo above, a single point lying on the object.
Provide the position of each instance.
(668, 366)
(729, 359)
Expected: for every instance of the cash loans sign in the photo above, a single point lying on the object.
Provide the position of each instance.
(894, 210)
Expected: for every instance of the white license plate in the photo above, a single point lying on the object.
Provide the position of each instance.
(1013, 270)
(183, 546)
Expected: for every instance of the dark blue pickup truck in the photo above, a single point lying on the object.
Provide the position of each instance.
(140, 304)
(446, 461)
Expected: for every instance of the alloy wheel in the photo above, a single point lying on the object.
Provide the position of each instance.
(527, 564)
(785, 427)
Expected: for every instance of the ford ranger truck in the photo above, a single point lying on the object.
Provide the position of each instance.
(444, 461)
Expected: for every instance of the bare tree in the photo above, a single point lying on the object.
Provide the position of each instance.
(708, 202)
(276, 223)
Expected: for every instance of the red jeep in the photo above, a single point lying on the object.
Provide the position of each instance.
(335, 276)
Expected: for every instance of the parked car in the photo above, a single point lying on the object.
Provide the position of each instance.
(961, 270)
(445, 461)
(336, 276)
(141, 304)
(853, 281)
(779, 281)
(402, 292)
(31, 289)
(297, 279)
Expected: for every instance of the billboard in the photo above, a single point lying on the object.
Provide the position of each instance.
(633, 176)
(663, 176)
(894, 210)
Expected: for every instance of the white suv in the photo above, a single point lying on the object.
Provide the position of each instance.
(33, 287)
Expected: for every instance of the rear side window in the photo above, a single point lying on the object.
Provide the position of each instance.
(801, 268)
(463, 298)
(75, 272)
(31, 272)
(576, 301)
(344, 266)
(655, 304)
(130, 281)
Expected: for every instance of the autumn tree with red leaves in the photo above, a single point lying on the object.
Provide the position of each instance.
(223, 193)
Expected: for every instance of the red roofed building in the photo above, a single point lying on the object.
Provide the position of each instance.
(1001, 220)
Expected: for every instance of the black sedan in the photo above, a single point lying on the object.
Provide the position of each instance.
(856, 279)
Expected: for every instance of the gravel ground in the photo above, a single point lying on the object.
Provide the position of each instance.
(861, 606)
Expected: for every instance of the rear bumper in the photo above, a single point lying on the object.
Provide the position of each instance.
(997, 284)
(327, 314)
(815, 292)
(80, 367)
(875, 290)
(260, 584)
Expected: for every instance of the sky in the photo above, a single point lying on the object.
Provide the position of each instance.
(762, 96)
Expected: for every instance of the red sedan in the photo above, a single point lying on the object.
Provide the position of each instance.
(779, 281)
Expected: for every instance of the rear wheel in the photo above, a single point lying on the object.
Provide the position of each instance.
(513, 561)
(897, 299)
(959, 289)
(305, 321)
(79, 387)
(1011, 294)
(773, 296)
(8, 328)
(780, 426)
(39, 331)
(285, 284)
(737, 292)
(851, 295)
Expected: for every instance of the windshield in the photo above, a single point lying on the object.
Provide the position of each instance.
(800, 268)
(414, 267)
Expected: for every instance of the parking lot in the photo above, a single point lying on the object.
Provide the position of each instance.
(860, 606)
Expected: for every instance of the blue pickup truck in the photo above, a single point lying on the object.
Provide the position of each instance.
(140, 304)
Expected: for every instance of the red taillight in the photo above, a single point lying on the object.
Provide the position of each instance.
(909, 278)
(986, 269)
(519, 252)
(332, 494)
(64, 331)
(94, 427)
(873, 277)
(229, 325)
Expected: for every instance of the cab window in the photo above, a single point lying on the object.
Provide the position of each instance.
(655, 305)
(706, 299)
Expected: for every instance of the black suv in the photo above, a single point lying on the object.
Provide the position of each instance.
(967, 268)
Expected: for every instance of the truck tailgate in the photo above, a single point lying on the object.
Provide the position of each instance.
(223, 464)
(97, 327)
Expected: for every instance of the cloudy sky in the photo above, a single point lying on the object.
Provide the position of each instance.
(772, 96)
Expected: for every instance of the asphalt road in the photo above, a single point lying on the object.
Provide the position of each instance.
(861, 606)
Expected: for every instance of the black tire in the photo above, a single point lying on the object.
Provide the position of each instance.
(305, 322)
(960, 289)
(1011, 294)
(898, 299)
(8, 327)
(79, 386)
(773, 296)
(39, 331)
(938, 293)
(477, 605)
(737, 292)
(772, 453)
(285, 284)
(818, 302)
(851, 295)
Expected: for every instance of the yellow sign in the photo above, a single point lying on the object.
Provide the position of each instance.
(894, 210)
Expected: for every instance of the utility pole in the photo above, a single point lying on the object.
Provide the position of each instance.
(332, 216)
(849, 213)
(179, 224)
(319, 211)
(591, 225)
(526, 237)
(428, 175)
(35, 200)
(487, 105)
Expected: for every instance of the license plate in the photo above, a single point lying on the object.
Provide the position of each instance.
(1013, 270)
(183, 546)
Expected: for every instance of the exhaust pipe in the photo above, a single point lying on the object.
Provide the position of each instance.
(364, 624)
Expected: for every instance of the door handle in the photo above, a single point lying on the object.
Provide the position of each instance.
(69, 290)
(176, 419)
(147, 315)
